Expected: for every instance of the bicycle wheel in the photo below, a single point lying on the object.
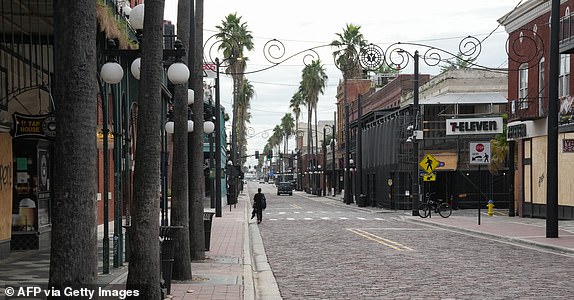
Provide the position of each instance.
(444, 210)
(424, 210)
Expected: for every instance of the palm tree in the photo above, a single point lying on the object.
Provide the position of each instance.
(347, 55)
(287, 124)
(295, 104)
(313, 81)
(277, 136)
(499, 147)
(180, 167)
(246, 93)
(235, 38)
(74, 221)
(144, 266)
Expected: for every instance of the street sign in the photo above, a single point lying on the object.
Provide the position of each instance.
(429, 177)
(209, 70)
(479, 153)
(429, 163)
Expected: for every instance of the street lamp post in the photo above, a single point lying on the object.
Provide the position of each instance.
(348, 197)
(324, 181)
(552, 139)
(333, 132)
(416, 108)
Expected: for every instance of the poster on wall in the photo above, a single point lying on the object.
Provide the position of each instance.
(6, 172)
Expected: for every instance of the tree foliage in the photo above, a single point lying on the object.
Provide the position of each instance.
(346, 55)
(457, 63)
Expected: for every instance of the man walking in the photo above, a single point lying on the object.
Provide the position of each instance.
(259, 204)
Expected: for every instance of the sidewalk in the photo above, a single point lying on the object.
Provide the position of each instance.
(221, 274)
(525, 231)
(234, 265)
(31, 267)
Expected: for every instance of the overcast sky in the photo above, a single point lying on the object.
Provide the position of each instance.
(305, 24)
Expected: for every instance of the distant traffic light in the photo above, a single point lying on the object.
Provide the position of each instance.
(281, 156)
(269, 154)
(256, 154)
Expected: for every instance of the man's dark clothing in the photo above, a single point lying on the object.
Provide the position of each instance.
(257, 206)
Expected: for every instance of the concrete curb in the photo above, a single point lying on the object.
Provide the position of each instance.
(263, 280)
(248, 283)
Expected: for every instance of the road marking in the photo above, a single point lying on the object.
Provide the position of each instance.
(291, 219)
(325, 218)
(308, 219)
(295, 206)
(343, 218)
(380, 240)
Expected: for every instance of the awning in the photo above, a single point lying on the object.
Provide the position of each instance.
(467, 98)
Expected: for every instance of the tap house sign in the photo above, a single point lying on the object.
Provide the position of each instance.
(42, 126)
(474, 126)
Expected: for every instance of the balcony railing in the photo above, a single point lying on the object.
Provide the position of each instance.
(566, 39)
(527, 109)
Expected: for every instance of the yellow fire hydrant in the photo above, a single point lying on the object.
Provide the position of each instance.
(490, 207)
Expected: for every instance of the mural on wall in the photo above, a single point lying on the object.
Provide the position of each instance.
(6, 172)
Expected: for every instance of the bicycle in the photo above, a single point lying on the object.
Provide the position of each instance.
(439, 206)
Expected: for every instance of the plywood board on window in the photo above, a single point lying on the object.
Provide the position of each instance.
(6, 172)
(565, 173)
(539, 175)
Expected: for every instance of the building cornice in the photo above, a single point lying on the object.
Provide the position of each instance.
(525, 14)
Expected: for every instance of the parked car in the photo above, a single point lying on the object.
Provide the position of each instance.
(285, 188)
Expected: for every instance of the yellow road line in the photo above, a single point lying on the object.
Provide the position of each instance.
(381, 240)
(387, 240)
(295, 206)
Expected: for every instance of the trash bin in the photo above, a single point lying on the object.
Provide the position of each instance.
(207, 220)
(167, 237)
(362, 200)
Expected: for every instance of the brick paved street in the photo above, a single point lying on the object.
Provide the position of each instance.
(319, 249)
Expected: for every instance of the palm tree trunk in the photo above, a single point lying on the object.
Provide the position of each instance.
(196, 178)
(316, 147)
(144, 264)
(73, 257)
(180, 190)
(309, 141)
